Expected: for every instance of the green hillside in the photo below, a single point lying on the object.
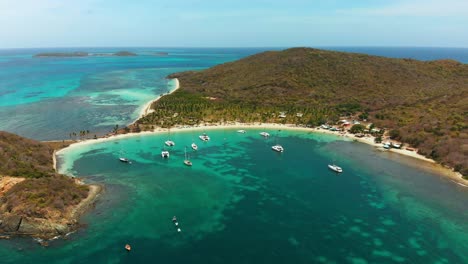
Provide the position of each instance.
(424, 103)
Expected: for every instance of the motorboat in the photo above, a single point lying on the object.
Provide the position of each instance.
(335, 168)
(204, 137)
(241, 131)
(169, 143)
(128, 247)
(125, 160)
(278, 148)
(165, 154)
(387, 145)
(265, 134)
(194, 146)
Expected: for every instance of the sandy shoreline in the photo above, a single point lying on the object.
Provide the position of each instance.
(432, 165)
(147, 109)
(439, 169)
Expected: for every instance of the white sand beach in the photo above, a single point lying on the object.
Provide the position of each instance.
(147, 109)
(455, 176)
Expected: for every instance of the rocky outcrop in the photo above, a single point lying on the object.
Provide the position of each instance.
(17, 225)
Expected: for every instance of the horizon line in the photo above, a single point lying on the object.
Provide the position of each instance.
(239, 47)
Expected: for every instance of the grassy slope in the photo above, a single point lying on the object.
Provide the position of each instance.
(43, 194)
(425, 102)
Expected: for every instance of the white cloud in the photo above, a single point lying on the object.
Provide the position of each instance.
(436, 8)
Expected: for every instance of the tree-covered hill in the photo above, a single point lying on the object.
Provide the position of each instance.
(424, 103)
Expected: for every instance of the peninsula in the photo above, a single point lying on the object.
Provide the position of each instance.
(422, 104)
(35, 200)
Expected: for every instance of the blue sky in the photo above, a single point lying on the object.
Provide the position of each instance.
(236, 23)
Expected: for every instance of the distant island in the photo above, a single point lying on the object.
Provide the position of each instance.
(35, 200)
(422, 104)
(84, 54)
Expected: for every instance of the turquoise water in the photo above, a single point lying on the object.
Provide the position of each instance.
(50, 98)
(243, 203)
(240, 202)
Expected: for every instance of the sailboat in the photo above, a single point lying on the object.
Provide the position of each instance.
(277, 147)
(187, 161)
(169, 142)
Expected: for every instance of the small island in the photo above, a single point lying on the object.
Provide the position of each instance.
(35, 200)
(62, 54)
(84, 54)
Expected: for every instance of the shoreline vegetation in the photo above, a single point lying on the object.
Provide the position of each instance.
(430, 164)
(35, 200)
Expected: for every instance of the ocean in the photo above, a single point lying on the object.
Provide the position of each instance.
(52, 98)
(240, 202)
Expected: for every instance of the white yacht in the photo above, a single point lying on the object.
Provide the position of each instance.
(241, 131)
(335, 168)
(194, 146)
(169, 143)
(204, 137)
(165, 154)
(278, 148)
(125, 160)
(265, 134)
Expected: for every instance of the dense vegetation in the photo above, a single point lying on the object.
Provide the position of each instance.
(24, 157)
(44, 193)
(424, 104)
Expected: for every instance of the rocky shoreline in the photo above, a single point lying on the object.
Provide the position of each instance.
(12, 225)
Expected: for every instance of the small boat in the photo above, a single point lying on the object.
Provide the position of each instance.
(194, 146)
(265, 134)
(125, 160)
(387, 146)
(241, 131)
(165, 154)
(169, 143)
(278, 148)
(187, 161)
(128, 247)
(395, 145)
(174, 219)
(204, 137)
(335, 168)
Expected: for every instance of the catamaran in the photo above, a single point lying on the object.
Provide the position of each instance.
(278, 148)
(169, 143)
(204, 137)
(265, 134)
(165, 154)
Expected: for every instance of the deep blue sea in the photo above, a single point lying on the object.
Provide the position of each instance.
(240, 202)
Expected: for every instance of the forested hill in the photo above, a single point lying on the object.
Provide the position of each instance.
(425, 103)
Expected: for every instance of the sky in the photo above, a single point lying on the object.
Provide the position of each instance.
(233, 23)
